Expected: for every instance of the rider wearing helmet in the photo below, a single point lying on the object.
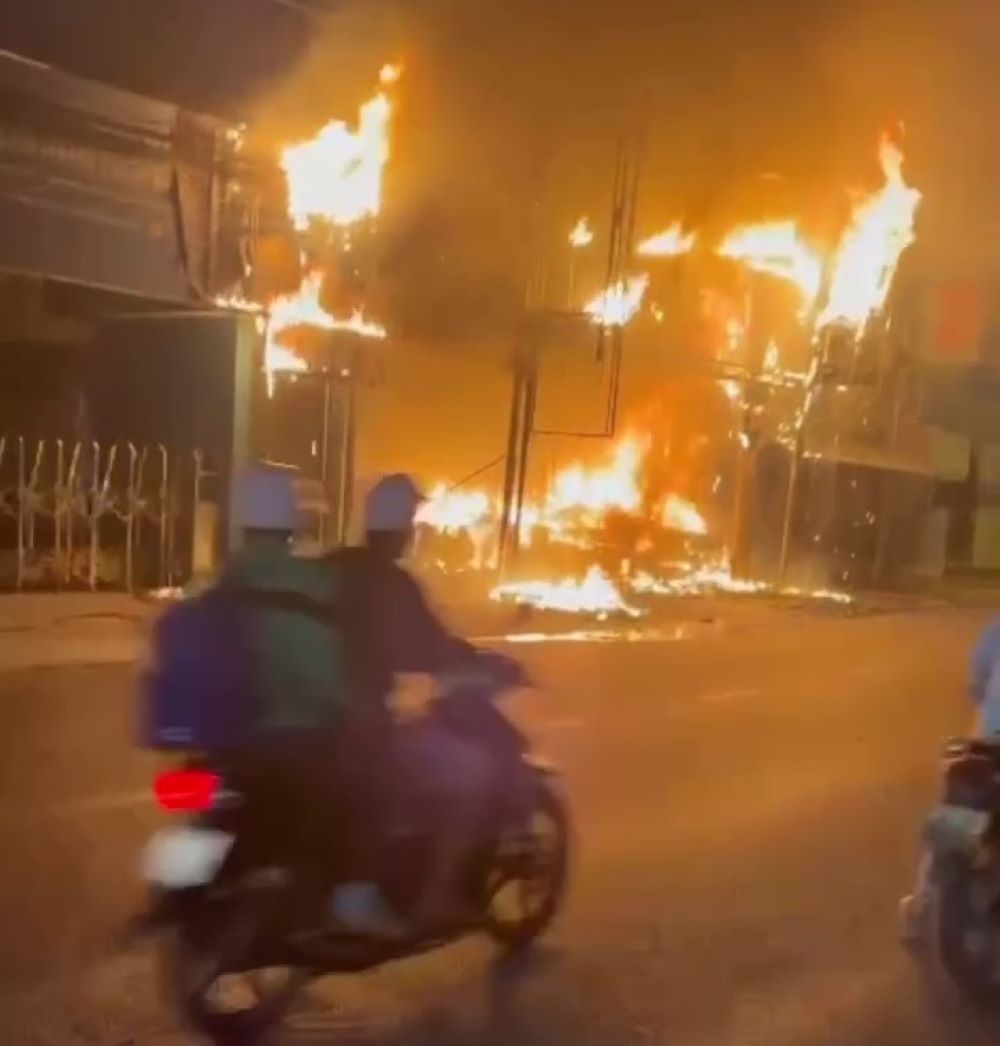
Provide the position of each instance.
(444, 776)
(295, 656)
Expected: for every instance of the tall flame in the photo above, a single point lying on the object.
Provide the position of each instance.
(668, 244)
(777, 248)
(616, 305)
(337, 175)
(881, 228)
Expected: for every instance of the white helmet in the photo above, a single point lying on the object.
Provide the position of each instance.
(392, 504)
(265, 499)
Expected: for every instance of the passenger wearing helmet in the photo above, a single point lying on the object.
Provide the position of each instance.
(396, 632)
(304, 736)
(296, 657)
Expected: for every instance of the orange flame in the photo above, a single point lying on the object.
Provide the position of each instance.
(592, 492)
(881, 228)
(680, 514)
(578, 499)
(616, 305)
(303, 309)
(670, 243)
(336, 176)
(596, 593)
(449, 510)
(716, 577)
(777, 248)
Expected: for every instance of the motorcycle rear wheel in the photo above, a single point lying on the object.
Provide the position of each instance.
(208, 976)
(528, 872)
(964, 939)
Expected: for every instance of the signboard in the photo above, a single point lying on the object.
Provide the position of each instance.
(959, 314)
(104, 188)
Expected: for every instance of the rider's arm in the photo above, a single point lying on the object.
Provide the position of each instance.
(421, 642)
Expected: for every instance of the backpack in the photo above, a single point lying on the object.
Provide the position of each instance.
(201, 693)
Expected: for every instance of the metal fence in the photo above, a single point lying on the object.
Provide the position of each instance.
(84, 515)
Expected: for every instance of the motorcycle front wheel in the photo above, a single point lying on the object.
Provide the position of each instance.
(527, 874)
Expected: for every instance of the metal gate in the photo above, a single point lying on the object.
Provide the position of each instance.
(77, 515)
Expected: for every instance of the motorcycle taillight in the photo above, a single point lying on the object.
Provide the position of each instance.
(186, 791)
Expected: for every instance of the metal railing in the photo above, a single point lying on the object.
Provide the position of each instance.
(86, 515)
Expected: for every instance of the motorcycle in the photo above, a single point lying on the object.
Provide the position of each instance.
(963, 837)
(245, 919)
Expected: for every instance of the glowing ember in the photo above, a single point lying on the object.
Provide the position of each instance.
(697, 580)
(680, 514)
(779, 250)
(238, 303)
(772, 358)
(337, 175)
(582, 235)
(670, 243)
(881, 228)
(595, 594)
(713, 578)
(615, 306)
(448, 510)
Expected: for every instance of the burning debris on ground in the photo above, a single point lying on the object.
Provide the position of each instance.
(601, 541)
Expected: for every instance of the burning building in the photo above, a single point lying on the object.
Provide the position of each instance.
(763, 426)
(770, 423)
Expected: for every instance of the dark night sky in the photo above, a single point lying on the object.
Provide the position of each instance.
(497, 90)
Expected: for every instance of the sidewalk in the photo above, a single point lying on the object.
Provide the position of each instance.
(42, 629)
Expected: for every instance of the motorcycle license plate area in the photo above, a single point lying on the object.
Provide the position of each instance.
(185, 857)
(956, 828)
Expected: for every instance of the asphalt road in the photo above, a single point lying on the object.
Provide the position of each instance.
(747, 804)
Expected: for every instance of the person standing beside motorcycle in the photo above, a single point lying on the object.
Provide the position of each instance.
(984, 690)
(395, 632)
